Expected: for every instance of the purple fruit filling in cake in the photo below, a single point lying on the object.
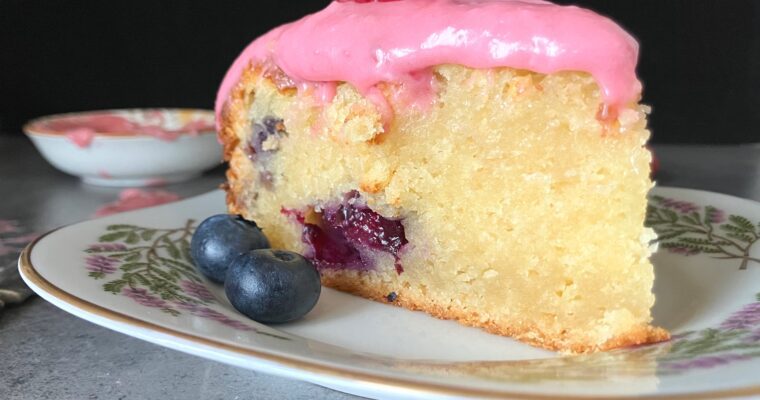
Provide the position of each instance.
(391, 297)
(265, 140)
(330, 248)
(343, 234)
(265, 137)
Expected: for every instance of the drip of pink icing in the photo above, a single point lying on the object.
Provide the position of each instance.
(81, 137)
(399, 41)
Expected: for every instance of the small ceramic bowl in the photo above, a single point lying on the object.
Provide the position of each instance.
(134, 147)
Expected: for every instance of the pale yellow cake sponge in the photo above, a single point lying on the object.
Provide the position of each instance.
(523, 211)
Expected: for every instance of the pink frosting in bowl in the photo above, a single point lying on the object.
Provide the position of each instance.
(369, 42)
(165, 124)
(138, 147)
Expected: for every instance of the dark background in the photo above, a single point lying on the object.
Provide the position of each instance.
(700, 59)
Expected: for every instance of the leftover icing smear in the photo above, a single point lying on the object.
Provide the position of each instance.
(168, 125)
(365, 43)
(133, 199)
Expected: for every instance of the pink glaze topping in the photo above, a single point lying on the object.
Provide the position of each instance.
(365, 43)
(81, 129)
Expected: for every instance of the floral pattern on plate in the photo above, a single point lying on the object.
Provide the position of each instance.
(687, 228)
(153, 267)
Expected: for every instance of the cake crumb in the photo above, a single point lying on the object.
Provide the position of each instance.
(490, 274)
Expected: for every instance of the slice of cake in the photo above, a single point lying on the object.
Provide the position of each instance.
(482, 161)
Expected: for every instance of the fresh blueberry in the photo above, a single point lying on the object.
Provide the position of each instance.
(272, 286)
(222, 238)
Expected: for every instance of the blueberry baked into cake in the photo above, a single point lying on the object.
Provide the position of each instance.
(482, 161)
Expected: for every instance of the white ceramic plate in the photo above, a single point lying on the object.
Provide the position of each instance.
(130, 273)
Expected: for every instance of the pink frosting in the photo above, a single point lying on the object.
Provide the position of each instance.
(399, 41)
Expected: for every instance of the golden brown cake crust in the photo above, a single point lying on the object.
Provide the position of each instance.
(233, 113)
(347, 282)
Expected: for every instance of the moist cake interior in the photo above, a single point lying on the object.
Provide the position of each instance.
(513, 202)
